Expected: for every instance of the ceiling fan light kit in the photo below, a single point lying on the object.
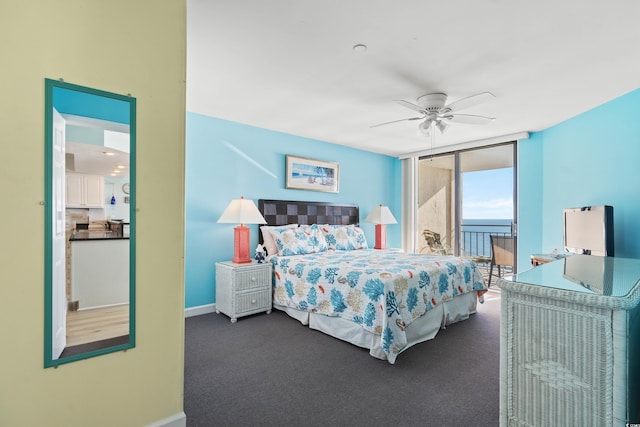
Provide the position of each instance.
(425, 127)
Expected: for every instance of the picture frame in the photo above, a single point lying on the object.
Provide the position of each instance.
(311, 174)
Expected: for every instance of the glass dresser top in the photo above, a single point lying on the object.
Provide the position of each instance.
(591, 274)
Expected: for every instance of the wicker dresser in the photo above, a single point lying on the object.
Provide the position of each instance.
(570, 344)
(243, 289)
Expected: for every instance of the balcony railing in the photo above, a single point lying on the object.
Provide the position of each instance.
(476, 241)
(476, 244)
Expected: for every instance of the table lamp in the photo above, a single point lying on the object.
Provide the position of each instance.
(380, 216)
(242, 211)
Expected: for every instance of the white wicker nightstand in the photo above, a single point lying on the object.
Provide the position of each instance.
(569, 341)
(243, 289)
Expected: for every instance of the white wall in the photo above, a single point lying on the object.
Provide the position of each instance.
(113, 186)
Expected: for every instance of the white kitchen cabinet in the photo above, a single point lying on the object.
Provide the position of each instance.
(85, 191)
(100, 272)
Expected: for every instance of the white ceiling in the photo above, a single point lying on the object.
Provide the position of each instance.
(97, 157)
(289, 66)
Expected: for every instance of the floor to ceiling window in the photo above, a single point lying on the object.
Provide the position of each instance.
(463, 198)
(436, 230)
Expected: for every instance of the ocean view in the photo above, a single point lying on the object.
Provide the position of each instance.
(476, 232)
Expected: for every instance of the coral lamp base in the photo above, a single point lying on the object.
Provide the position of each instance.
(241, 239)
(381, 236)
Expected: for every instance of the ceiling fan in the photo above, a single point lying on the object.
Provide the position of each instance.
(436, 113)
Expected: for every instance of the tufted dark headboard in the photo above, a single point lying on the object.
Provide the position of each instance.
(283, 212)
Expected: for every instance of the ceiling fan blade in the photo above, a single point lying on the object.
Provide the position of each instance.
(411, 106)
(468, 119)
(396, 121)
(469, 101)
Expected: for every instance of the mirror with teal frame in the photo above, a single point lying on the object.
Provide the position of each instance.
(90, 199)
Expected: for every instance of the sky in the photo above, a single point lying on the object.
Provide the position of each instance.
(487, 194)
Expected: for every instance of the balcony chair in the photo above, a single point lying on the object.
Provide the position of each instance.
(501, 254)
(434, 244)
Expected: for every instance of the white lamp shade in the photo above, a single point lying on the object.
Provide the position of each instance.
(381, 215)
(242, 211)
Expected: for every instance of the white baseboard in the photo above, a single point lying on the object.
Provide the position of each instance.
(177, 420)
(201, 309)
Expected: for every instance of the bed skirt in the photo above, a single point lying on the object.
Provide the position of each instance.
(422, 329)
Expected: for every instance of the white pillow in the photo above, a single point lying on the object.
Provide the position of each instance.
(267, 237)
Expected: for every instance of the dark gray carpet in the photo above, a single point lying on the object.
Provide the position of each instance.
(95, 345)
(269, 370)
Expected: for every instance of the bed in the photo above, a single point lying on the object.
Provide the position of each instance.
(385, 301)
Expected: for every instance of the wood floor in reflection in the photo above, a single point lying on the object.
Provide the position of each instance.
(97, 324)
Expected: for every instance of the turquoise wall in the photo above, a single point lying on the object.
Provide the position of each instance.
(89, 105)
(529, 198)
(591, 159)
(226, 160)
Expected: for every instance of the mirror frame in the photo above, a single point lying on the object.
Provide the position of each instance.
(50, 85)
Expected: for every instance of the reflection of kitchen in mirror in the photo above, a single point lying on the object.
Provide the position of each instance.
(97, 215)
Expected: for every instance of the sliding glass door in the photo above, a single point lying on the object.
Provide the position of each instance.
(487, 197)
(463, 198)
(436, 230)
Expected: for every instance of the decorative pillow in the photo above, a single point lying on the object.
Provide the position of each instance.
(299, 241)
(344, 237)
(267, 237)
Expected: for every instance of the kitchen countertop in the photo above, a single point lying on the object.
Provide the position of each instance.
(84, 235)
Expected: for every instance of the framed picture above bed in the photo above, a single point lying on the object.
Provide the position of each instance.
(310, 174)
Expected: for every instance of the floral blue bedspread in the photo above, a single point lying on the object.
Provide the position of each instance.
(384, 291)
